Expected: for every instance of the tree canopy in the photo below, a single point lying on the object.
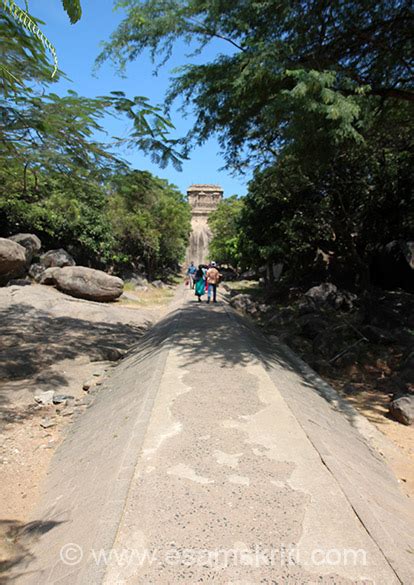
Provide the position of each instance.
(287, 61)
(316, 96)
(225, 246)
(60, 177)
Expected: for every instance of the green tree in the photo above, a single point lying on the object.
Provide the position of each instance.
(150, 221)
(286, 60)
(55, 176)
(61, 182)
(343, 199)
(224, 224)
(317, 96)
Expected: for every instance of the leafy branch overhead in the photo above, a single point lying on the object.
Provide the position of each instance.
(276, 62)
(28, 25)
(316, 97)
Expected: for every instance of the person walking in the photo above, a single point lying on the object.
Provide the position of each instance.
(213, 278)
(191, 272)
(200, 282)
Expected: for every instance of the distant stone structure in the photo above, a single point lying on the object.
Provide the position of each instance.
(203, 200)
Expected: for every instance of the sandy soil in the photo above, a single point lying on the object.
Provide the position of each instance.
(50, 341)
(374, 406)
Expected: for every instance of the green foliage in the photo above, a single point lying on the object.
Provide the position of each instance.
(60, 182)
(130, 219)
(28, 39)
(150, 220)
(23, 57)
(286, 61)
(73, 9)
(317, 96)
(225, 246)
(358, 195)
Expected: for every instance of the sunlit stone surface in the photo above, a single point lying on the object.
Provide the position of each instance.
(203, 200)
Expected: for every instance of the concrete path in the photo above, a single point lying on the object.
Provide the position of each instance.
(216, 456)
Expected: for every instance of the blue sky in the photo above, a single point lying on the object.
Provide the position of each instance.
(77, 47)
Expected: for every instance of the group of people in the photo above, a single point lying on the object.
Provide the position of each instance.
(204, 279)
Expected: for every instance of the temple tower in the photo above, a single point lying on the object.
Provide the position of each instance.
(203, 200)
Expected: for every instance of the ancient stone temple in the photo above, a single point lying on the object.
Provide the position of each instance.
(203, 200)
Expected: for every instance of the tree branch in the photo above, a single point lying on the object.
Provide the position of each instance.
(399, 94)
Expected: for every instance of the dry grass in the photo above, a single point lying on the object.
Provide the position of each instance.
(250, 287)
(146, 298)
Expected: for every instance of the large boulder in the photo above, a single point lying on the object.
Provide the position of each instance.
(322, 294)
(328, 294)
(30, 242)
(12, 260)
(243, 303)
(402, 410)
(58, 258)
(87, 283)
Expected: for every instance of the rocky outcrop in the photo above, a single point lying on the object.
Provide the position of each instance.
(87, 283)
(242, 302)
(30, 242)
(12, 260)
(58, 258)
(245, 304)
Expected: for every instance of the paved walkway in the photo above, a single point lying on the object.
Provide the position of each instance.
(213, 458)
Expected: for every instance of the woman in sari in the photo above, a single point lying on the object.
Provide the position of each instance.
(200, 282)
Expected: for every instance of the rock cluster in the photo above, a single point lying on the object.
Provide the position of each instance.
(54, 267)
(246, 304)
(328, 293)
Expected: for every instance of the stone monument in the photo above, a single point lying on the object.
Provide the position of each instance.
(203, 200)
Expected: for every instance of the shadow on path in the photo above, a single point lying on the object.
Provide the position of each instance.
(217, 334)
(20, 538)
(32, 340)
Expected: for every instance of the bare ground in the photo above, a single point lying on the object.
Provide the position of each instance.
(50, 341)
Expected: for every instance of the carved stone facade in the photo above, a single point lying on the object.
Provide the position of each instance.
(203, 200)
